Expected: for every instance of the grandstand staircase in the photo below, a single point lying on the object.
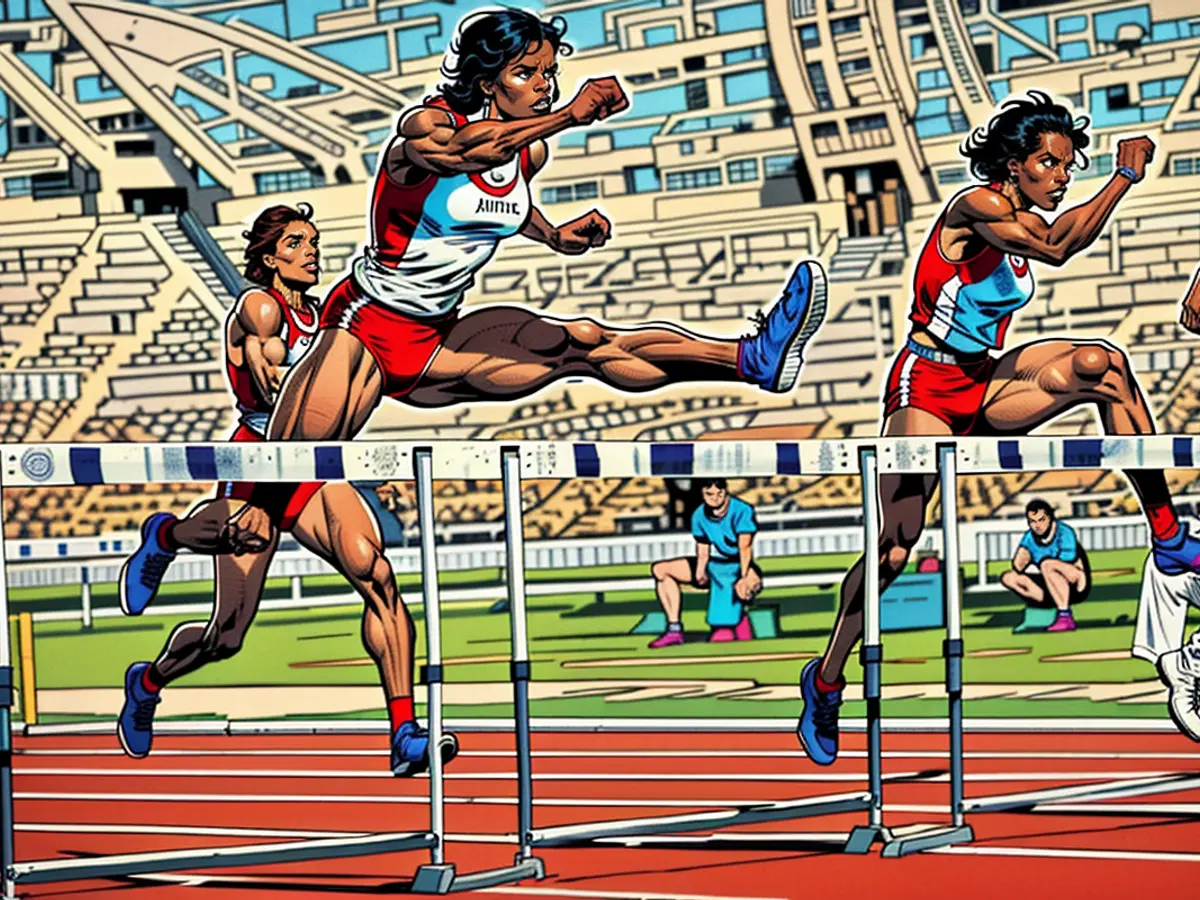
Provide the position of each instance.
(856, 258)
(129, 247)
(966, 74)
(187, 252)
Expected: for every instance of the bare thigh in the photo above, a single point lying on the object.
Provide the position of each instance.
(330, 394)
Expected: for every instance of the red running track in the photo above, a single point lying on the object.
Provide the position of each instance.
(318, 786)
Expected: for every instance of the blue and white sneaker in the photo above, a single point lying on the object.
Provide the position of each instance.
(143, 572)
(1178, 555)
(135, 727)
(818, 725)
(410, 749)
(772, 357)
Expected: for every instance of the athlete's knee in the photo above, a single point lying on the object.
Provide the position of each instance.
(586, 333)
(543, 337)
(894, 559)
(1093, 361)
(661, 570)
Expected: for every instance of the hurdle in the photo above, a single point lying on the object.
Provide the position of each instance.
(437, 877)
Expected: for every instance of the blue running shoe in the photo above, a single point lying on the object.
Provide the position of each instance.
(410, 749)
(143, 572)
(818, 726)
(772, 358)
(135, 726)
(1178, 555)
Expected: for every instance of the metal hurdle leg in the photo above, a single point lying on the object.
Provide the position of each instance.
(7, 856)
(862, 837)
(440, 877)
(927, 837)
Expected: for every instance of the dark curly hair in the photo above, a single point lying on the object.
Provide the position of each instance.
(486, 42)
(264, 235)
(1015, 132)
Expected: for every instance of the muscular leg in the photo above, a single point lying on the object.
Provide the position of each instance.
(1038, 382)
(504, 353)
(337, 526)
(669, 574)
(330, 393)
(1023, 586)
(903, 499)
(191, 645)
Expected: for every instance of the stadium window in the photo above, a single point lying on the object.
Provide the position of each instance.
(1185, 165)
(955, 175)
(697, 94)
(810, 37)
(642, 78)
(1100, 166)
(642, 179)
(1069, 51)
(694, 64)
(21, 186)
(779, 166)
(1071, 24)
(826, 130)
(873, 122)
(693, 178)
(744, 17)
(1118, 96)
(855, 66)
(746, 87)
(816, 77)
(741, 170)
(668, 72)
(291, 180)
(687, 148)
(933, 79)
(659, 35)
(847, 25)
(134, 148)
(922, 44)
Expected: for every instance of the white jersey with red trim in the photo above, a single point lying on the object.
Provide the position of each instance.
(429, 239)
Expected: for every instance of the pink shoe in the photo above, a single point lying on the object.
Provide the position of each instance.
(668, 639)
(1063, 623)
(721, 636)
(743, 631)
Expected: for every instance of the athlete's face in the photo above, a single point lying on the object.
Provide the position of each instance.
(297, 256)
(1043, 176)
(714, 497)
(528, 86)
(1039, 522)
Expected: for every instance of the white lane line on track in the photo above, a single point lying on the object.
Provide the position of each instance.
(517, 890)
(634, 754)
(1066, 853)
(208, 831)
(802, 777)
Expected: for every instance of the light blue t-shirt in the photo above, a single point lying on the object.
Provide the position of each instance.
(722, 533)
(1062, 545)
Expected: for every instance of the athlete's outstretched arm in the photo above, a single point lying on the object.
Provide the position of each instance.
(261, 321)
(430, 139)
(1003, 226)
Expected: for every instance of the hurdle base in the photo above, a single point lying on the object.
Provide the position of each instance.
(863, 838)
(919, 838)
(443, 879)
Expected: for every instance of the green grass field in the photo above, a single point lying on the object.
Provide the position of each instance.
(583, 643)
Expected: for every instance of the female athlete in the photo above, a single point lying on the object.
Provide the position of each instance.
(452, 185)
(272, 326)
(972, 275)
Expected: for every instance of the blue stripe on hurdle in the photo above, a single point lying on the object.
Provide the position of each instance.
(1010, 455)
(202, 463)
(587, 461)
(1184, 458)
(671, 459)
(787, 459)
(328, 462)
(85, 465)
(1083, 454)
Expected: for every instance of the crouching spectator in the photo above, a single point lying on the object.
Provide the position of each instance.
(1049, 565)
(724, 529)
